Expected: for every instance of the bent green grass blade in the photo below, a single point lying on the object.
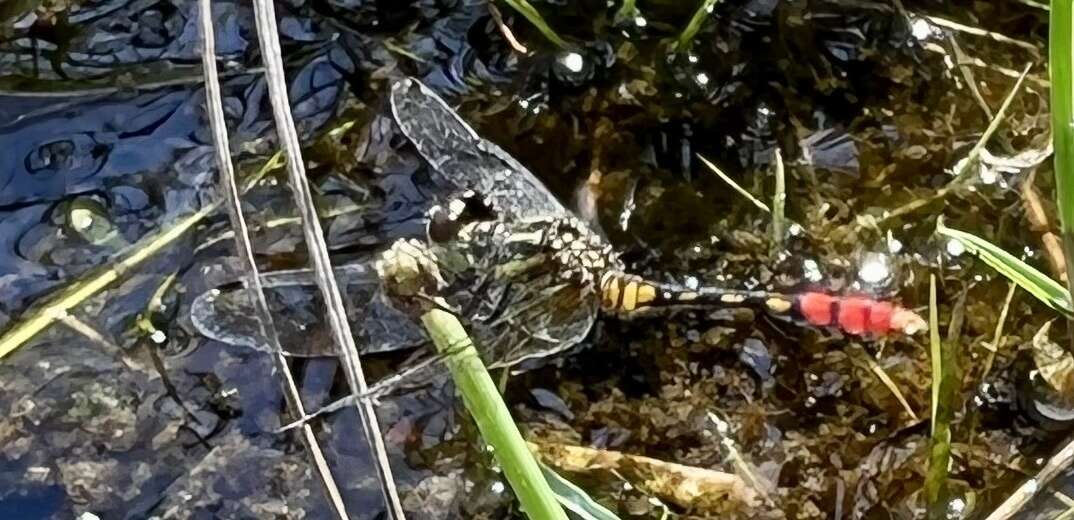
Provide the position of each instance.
(1048, 291)
(575, 499)
(493, 419)
(687, 35)
(525, 9)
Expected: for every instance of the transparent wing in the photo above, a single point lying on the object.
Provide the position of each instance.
(460, 157)
(226, 314)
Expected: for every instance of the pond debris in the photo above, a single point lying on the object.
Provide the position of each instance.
(1041, 223)
(997, 336)
(886, 380)
(695, 488)
(963, 168)
(505, 30)
(1021, 496)
(1055, 366)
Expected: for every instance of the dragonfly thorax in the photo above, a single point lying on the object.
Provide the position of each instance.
(564, 244)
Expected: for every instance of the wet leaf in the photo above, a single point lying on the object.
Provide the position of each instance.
(1054, 364)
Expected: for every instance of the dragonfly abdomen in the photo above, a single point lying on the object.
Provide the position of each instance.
(857, 314)
(623, 293)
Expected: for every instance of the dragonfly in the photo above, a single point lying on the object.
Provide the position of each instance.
(527, 276)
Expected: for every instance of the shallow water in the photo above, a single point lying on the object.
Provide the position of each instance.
(102, 103)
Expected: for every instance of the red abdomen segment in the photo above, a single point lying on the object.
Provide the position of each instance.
(857, 314)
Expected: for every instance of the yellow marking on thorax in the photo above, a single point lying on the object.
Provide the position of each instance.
(630, 296)
(611, 291)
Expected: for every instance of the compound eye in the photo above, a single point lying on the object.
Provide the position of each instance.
(445, 222)
(440, 226)
(471, 206)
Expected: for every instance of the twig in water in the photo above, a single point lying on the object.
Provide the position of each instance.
(734, 185)
(1039, 222)
(1057, 464)
(977, 31)
(506, 31)
(252, 281)
(886, 380)
(779, 200)
(268, 37)
(964, 167)
(997, 337)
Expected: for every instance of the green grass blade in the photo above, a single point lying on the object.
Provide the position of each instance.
(687, 35)
(494, 421)
(1060, 65)
(527, 10)
(1048, 291)
(944, 387)
(627, 11)
(575, 499)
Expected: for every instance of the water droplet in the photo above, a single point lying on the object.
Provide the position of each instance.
(921, 29)
(955, 248)
(573, 61)
(81, 218)
(955, 508)
(874, 269)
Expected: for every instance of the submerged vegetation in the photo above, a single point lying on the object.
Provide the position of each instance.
(904, 150)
